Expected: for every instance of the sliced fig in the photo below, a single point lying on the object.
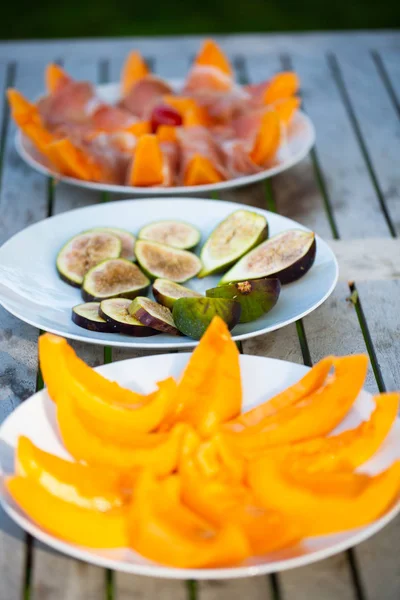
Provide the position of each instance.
(192, 316)
(231, 239)
(177, 234)
(127, 238)
(166, 292)
(87, 316)
(287, 256)
(115, 312)
(256, 297)
(159, 260)
(112, 278)
(153, 315)
(84, 251)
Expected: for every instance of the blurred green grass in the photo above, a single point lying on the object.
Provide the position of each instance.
(77, 18)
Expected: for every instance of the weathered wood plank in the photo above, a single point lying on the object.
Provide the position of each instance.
(370, 259)
(255, 588)
(57, 576)
(296, 192)
(253, 44)
(132, 587)
(388, 65)
(350, 191)
(23, 201)
(378, 123)
(380, 303)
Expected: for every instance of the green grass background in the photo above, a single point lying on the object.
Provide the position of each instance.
(80, 18)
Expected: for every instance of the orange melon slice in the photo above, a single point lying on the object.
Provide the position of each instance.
(148, 163)
(200, 171)
(287, 108)
(55, 77)
(282, 85)
(268, 138)
(211, 55)
(134, 69)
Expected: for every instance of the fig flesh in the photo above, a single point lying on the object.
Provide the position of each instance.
(112, 278)
(286, 256)
(127, 239)
(177, 234)
(87, 316)
(167, 292)
(161, 261)
(153, 315)
(231, 239)
(115, 312)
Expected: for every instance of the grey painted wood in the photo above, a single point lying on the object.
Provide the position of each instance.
(254, 44)
(255, 588)
(133, 587)
(380, 303)
(370, 259)
(378, 122)
(57, 576)
(353, 198)
(23, 200)
(388, 64)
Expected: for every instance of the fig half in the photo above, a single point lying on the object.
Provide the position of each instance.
(159, 260)
(84, 251)
(114, 277)
(153, 315)
(115, 312)
(171, 233)
(287, 256)
(192, 316)
(256, 297)
(167, 292)
(127, 239)
(87, 316)
(231, 239)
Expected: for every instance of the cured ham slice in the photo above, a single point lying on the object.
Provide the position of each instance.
(238, 160)
(145, 95)
(135, 68)
(198, 141)
(211, 70)
(73, 103)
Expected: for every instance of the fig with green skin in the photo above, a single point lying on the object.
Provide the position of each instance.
(112, 278)
(231, 239)
(87, 316)
(115, 312)
(158, 260)
(256, 297)
(286, 256)
(127, 239)
(153, 315)
(171, 233)
(84, 251)
(192, 316)
(167, 292)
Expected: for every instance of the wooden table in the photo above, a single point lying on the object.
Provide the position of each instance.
(347, 190)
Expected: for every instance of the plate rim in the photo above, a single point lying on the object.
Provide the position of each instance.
(188, 343)
(156, 570)
(27, 157)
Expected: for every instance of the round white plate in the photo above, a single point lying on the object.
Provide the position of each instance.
(262, 378)
(300, 138)
(31, 289)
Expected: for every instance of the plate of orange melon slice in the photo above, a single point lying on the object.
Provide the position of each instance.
(208, 465)
(141, 135)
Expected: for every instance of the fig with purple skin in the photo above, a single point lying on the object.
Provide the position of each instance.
(112, 278)
(153, 315)
(167, 292)
(256, 297)
(159, 260)
(231, 239)
(286, 256)
(87, 316)
(84, 251)
(192, 316)
(116, 312)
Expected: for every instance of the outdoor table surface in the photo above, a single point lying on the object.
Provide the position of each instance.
(347, 190)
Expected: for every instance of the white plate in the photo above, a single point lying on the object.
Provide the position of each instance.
(300, 139)
(31, 289)
(262, 378)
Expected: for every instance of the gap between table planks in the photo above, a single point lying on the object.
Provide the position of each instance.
(281, 344)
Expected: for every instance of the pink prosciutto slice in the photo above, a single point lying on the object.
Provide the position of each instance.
(72, 103)
(145, 95)
(199, 141)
